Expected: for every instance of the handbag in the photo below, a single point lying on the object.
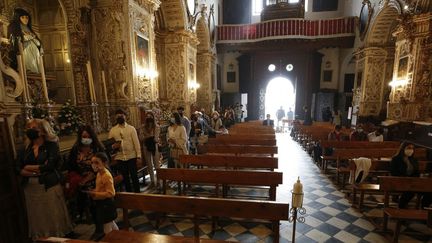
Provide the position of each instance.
(175, 152)
(202, 139)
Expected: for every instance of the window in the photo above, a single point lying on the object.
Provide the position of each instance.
(324, 5)
(257, 7)
(293, 1)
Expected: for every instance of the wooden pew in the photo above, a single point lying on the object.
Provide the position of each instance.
(379, 167)
(208, 207)
(221, 177)
(229, 161)
(256, 150)
(241, 141)
(122, 236)
(245, 136)
(391, 184)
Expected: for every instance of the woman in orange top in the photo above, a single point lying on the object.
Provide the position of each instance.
(103, 196)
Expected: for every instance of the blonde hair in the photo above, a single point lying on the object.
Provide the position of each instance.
(46, 128)
(215, 113)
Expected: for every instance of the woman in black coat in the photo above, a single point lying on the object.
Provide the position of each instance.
(404, 164)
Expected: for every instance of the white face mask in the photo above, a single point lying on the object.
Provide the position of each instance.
(86, 141)
(359, 130)
(172, 120)
(409, 152)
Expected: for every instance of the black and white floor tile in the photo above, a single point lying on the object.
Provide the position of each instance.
(329, 216)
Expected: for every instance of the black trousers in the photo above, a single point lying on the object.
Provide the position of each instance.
(407, 196)
(128, 169)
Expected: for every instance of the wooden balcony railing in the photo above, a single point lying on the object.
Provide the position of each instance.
(287, 29)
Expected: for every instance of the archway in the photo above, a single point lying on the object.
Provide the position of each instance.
(279, 92)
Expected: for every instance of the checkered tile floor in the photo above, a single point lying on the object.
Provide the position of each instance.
(329, 216)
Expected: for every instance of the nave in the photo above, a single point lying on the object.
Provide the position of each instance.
(329, 216)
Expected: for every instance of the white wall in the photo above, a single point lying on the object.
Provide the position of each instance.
(227, 59)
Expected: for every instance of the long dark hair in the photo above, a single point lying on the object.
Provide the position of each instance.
(96, 144)
(149, 126)
(401, 151)
(177, 118)
(14, 28)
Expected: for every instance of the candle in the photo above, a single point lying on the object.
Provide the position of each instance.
(44, 84)
(104, 86)
(90, 80)
(297, 197)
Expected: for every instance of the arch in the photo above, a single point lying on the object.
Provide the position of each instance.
(175, 14)
(203, 35)
(383, 23)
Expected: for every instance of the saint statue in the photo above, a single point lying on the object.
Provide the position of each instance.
(20, 31)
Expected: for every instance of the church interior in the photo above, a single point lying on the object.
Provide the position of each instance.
(215, 121)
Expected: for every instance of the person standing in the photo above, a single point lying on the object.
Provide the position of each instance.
(47, 214)
(337, 118)
(177, 139)
(149, 133)
(128, 153)
(279, 115)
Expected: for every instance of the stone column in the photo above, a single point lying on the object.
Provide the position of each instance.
(411, 98)
(204, 78)
(375, 64)
(180, 51)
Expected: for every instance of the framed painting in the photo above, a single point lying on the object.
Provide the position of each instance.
(402, 70)
(142, 51)
(327, 75)
(231, 77)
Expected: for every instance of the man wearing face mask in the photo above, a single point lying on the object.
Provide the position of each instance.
(129, 151)
(404, 164)
(359, 134)
(184, 120)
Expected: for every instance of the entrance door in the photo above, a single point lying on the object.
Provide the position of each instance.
(13, 223)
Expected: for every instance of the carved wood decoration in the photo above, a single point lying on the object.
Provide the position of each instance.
(412, 101)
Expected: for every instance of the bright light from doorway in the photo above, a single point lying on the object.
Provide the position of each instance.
(280, 92)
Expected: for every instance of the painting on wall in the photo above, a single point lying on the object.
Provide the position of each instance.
(142, 51)
(231, 77)
(402, 70)
(327, 75)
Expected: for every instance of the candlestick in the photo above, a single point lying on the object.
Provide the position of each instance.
(104, 86)
(44, 84)
(90, 80)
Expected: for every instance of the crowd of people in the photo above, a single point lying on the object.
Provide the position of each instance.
(80, 187)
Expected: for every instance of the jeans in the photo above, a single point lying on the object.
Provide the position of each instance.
(128, 169)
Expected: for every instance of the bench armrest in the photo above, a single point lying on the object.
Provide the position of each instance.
(429, 221)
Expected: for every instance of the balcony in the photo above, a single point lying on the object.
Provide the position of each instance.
(287, 29)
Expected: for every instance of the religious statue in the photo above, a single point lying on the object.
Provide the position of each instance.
(20, 31)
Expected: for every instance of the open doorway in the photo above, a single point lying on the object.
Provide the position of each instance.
(279, 93)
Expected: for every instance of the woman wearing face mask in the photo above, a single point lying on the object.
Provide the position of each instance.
(46, 209)
(81, 176)
(149, 133)
(404, 164)
(103, 196)
(177, 138)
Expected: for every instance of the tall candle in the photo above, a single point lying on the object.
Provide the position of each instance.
(23, 80)
(104, 86)
(90, 80)
(44, 84)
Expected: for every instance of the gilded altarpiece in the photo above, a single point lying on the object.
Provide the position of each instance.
(375, 65)
(204, 78)
(410, 98)
(117, 25)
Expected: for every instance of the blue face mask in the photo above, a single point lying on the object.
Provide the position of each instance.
(86, 141)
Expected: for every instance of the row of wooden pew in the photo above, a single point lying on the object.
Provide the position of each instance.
(243, 158)
(342, 155)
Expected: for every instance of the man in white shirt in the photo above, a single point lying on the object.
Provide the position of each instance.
(376, 136)
(128, 151)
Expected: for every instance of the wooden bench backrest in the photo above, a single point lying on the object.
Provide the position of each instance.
(251, 209)
(246, 136)
(384, 165)
(243, 141)
(359, 144)
(250, 131)
(405, 184)
(230, 177)
(368, 153)
(241, 149)
(230, 161)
